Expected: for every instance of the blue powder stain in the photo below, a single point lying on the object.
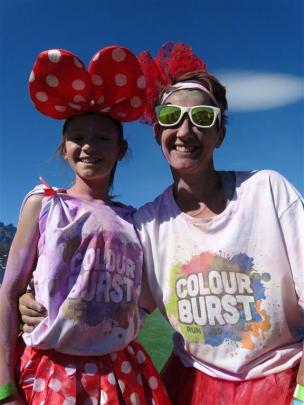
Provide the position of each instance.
(298, 331)
(256, 317)
(215, 336)
(242, 321)
(258, 288)
(244, 262)
(214, 340)
(266, 277)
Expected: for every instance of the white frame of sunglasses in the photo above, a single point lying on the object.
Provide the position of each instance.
(217, 114)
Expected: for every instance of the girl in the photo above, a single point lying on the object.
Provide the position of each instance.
(86, 257)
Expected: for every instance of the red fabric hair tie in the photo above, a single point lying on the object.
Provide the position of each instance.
(172, 62)
(60, 86)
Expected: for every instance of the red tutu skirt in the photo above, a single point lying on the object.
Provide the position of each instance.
(188, 386)
(125, 377)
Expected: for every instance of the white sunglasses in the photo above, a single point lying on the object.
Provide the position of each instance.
(202, 116)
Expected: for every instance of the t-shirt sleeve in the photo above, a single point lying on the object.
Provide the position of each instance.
(292, 224)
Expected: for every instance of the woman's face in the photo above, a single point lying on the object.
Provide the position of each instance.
(187, 148)
(93, 146)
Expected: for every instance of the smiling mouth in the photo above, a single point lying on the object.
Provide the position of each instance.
(183, 148)
(89, 160)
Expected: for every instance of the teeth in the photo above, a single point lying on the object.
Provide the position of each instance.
(180, 148)
(89, 160)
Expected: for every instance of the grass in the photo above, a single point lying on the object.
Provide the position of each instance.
(156, 337)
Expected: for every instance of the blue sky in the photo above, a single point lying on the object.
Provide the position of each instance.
(256, 48)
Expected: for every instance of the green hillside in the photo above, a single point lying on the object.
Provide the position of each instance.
(156, 337)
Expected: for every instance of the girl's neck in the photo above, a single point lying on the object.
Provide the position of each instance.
(90, 189)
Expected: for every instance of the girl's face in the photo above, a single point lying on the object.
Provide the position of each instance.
(92, 146)
(187, 148)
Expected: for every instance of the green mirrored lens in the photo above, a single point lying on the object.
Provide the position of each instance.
(203, 116)
(169, 115)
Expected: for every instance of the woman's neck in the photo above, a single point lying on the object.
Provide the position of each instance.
(200, 196)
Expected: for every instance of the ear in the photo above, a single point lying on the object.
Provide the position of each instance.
(157, 132)
(123, 149)
(64, 153)
(221, 137)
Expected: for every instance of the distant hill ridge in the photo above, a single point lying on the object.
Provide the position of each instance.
(7, 233)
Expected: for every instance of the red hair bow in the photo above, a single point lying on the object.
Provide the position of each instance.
(174, 60)
(60, 85)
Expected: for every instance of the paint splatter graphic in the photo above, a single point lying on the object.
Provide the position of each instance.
(216, 299)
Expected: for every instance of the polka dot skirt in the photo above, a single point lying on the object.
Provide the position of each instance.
(125, 377)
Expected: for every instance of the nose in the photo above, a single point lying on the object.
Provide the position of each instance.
(185, 127)
(88, 147)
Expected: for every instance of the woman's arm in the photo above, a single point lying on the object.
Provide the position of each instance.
(146, 301)
(18, 271)
(300, 376)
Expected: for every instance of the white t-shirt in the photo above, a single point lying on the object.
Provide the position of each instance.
(232, 286)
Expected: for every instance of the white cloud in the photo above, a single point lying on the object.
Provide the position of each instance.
(249, 91)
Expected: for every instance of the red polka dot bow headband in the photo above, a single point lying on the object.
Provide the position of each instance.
(172, 62)
(60, 85)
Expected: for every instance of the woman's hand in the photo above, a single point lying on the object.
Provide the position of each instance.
(32, 313)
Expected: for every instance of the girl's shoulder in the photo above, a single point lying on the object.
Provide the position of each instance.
(34, 198)
(33, 201)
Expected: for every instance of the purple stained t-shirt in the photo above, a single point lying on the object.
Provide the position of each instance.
(88, 276)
